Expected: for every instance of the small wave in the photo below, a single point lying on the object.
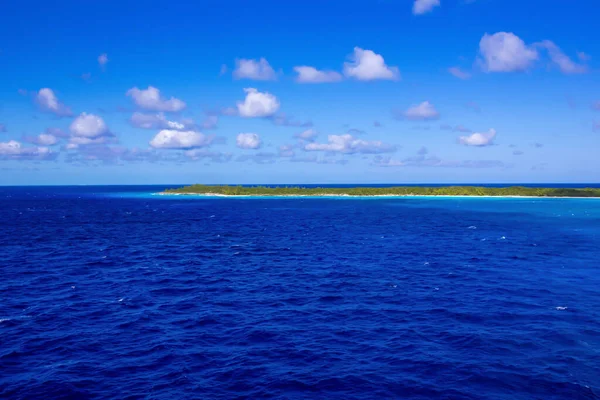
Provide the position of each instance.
(472, 227)
(560, 308)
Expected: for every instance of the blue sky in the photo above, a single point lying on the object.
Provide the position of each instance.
(388, 91)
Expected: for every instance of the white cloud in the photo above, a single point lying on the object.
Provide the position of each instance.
(252, 69)
(422, 112)
(564, 63)
(76, 141)
(309, 135)
(158, 121)
(89, 126)
(10, 147)
(366, 65)
(348, 144)
(102, 59)
(308, 74)
(45, 139)
(248, 141)
(506, 52)
(48, 101)
(424, 6)
(257, 104)
(459, 73)
(173, 139)
(15, 150)
(479, 139)
(148, 121)
(150, 99)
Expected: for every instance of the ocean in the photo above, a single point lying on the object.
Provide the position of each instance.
(117, 293)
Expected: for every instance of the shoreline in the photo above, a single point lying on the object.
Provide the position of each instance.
(370, 196)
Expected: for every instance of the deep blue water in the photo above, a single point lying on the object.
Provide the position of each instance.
(115, 293)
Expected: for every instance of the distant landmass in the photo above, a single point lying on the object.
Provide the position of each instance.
(512, 191)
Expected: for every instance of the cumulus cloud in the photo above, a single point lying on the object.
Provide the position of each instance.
(48, 101)
(43, 139)
(13, 150)
(348, 144)
(174, 139)
(506, 52)
(366, 65)
(308, 135)
(424, 6)
(561, 60)
(76, 141)
(479, 139)
(160, 121)
(89, 126)
(259, 70)
(103, 60)
(308, 74)
(257, 104)
(88, 129)
(248, 141)
(150, 99)
(424, 111)
(59, 133)
(459, 73)
(148, 121)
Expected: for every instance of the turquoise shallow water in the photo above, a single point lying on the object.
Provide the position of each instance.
(114, 292)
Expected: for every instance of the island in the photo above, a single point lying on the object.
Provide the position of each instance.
(512, 191)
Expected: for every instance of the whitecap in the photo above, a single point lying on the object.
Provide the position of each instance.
(4, 319)
(559, 308)
(472, 227)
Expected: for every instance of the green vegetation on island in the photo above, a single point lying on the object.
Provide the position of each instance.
(227, 190)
